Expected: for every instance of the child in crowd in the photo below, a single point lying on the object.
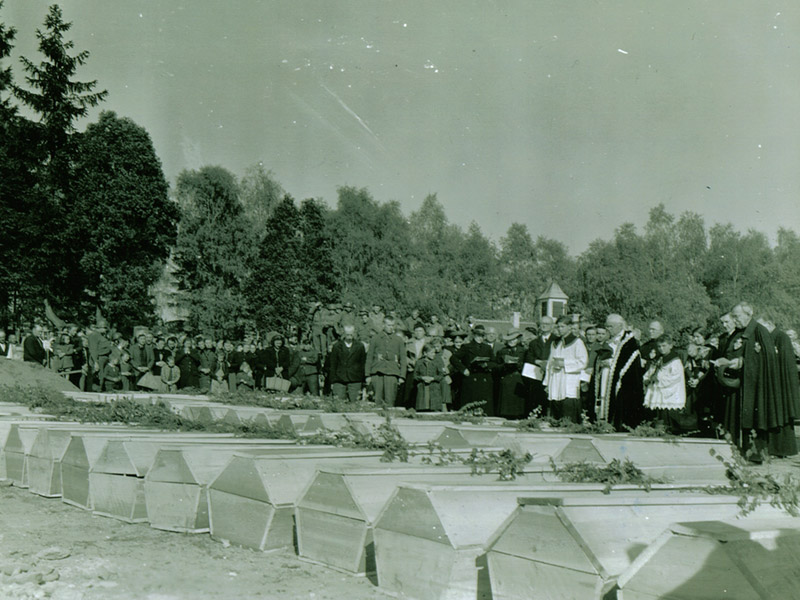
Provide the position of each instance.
(219, 385)
(428, 374)
(170, 375)
(244, 378)
(111, 376)
(125, 371)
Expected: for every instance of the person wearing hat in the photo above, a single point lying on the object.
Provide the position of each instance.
(386, 363)
(566, 364)
(475, 362)
(376, 315)
(364, 330)
(346, 317)
(511, 389)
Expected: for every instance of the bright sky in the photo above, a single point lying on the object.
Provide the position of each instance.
(569, 117)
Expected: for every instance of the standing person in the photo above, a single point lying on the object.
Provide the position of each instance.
(435, 328)
(512, 393)
(99, 351)
(493, 340)
(3, 344)
(64, 352)
(565, 366)
(537, 354)
(443, 354)
(142, 359)
(188, 361)
(235, 356)
(170, 375)
(219, 385)
(160, 353)
(621, 398)
(364, 329)
(33, 347)
(788, 383)
(348, 363)
(649, 349)
(386, 363)
(207, 366)
(277, 359)
(376, 318)
(758, 408)
(428, 374)
(413, 353)
(475, 362)
(665, 388)
(111, 376)
(307, 377)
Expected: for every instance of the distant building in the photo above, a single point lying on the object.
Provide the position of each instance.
(553, 302)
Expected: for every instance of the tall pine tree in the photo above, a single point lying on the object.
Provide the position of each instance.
(56, 96)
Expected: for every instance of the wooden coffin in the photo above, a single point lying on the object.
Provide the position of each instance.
(575, 546)
(117, 478)
(252, 501)
(754, 559)
(176, 485)
(430, 540)
(684, 458)
(47, 450)
(336, 513)
(84, 449)
(471, 436)
(18, 442)
(326, 421)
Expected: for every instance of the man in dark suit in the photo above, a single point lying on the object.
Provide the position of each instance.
(537, 354)
(33, 349)
(348, 359)
(3, 344)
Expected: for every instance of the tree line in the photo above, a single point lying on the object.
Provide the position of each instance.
(88, 221)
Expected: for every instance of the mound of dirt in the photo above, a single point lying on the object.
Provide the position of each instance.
(25, 374)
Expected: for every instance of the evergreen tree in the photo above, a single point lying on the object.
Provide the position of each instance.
(275, 286)
(55, 95)
(319, 283)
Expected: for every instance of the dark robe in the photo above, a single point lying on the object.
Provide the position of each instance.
(188, 363)
(622, 402)
(761, 406)
(512, 394)
(477, 386)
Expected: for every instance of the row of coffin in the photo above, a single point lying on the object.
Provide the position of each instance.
(426, 531)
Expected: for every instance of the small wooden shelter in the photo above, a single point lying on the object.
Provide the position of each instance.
(552, 302)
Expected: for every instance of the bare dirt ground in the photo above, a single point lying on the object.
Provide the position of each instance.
(49, 549)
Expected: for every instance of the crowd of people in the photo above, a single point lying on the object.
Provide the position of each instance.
(743, 376)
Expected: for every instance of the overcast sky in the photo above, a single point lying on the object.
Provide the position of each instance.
(571, 117)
